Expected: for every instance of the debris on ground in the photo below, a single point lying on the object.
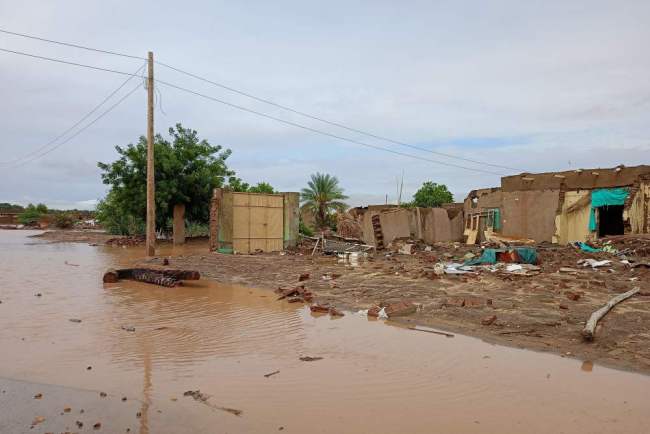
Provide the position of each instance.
(270, 374)
(488, 320)
(77, 320)
(162, 277)
(430, 330)
(589, 332)
(310, 359)
(318, 308)
(37, 420)
(297, 293)
(303, 276)
(446, 291)
(203, 398)
(590, 262)
(133, 240)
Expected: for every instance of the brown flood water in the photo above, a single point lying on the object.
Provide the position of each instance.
(373, 378)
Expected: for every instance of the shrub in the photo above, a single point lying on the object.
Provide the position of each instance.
(32, 214)
(63, 220)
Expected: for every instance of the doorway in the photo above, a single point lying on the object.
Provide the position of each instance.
(610, 220)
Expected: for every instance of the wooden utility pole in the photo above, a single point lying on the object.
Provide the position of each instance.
(151, 186)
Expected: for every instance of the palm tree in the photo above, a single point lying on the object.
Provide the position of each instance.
(322, 197)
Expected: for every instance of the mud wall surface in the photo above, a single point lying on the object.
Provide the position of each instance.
(487, 198)
(457, 227)
(435, 225)
(574, 180)
(573, 226)
(430, 225)
(291, 218)
(8, 219)
(530, 214)
(639, 210)
(397, 224)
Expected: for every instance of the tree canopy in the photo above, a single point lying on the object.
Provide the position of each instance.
(432, 195)
(322, 196)
(187, 169)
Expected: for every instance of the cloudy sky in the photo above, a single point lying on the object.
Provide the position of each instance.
(534, 86)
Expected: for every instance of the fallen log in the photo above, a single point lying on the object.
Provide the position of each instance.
(168, 277)
(148, 276)
(589, 332)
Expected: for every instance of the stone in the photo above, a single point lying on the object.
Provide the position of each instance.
(303, 276)
(402, 308)
(488, 320)
(572, 295)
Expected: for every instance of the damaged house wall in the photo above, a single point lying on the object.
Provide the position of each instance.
(556, 206)
(430, 225)
(529, 214)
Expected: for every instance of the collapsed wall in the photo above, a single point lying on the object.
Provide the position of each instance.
(430, 225)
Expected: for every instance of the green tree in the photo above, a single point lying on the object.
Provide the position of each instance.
(11, 207)
(262, 187)
(187, 169)
(32, 214)
(432, 195)
(236, 184)
(323, 196)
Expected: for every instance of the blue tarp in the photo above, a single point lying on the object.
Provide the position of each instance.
(527, 255)
(586, 247)
(604, 197)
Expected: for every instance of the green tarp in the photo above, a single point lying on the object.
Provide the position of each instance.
(527, 255)
(604, 197)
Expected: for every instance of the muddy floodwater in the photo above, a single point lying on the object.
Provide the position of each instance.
(144, 346)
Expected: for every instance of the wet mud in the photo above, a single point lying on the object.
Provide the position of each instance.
(152, 345)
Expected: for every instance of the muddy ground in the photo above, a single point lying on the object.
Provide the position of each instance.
(76, 236)
(544, 311)
(538, 311)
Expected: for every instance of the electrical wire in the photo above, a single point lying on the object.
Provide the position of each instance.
(66, 62)
(336, 124)
(67, 44)
(443, 163)
(138, 86)
(269, 102)
(86, 116)
(284, 121)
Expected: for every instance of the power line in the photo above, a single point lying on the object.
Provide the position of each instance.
(336, 124)
(67, 44)
(229, 104)
(86, 116)
(269, 102)
(104, 113)
(67, 62)
(444, 163)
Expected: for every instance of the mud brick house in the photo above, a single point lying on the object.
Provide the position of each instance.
(562, 207)
(381, 224)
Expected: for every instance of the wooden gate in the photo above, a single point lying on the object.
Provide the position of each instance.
(258, 222)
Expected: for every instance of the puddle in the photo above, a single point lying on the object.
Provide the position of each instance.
(153, 344)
